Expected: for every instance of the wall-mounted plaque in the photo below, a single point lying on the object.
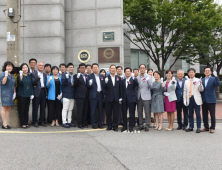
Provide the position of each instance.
(84, 56)
(109, 55)
(108, 36)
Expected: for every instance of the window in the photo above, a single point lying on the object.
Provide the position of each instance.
(139, 57)
(202, 68)
(185, 66)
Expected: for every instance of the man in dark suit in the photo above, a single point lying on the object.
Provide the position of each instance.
(40, 92)
(95, 84)
(209, 98)
(119, 70)
(129, 99)
(180, 104)
(113, 94)
(81, 96)
(88, 72)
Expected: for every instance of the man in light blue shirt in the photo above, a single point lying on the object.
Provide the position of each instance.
(206, 80)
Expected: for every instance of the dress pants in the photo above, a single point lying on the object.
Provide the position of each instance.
(181, 106)
(89, 113)
(82, 110)
(40, 100)
(68, 105)
(193, 106)
(97, 103)
(131, 107)
(146, 104)
(23, 107)
(112, 108)
(211, 108)
(54, 107)
(47, 106)
(120, 120)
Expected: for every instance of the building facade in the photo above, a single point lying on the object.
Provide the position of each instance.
(62, 31)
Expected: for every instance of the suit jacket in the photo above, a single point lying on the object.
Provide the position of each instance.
(68, 91)
(171, 90)
(80, 87)
(93, 88)
(179, 90)
(113, 92)
(144, 88)
(37, 84)
(129, 92)
(208, 95)
(196, 91)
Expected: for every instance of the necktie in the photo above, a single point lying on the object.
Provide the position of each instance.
(72, 80)
(191, 87)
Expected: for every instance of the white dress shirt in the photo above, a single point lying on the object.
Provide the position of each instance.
(113, 79)
(127, 81)
(41, 79)
(98, 83)
(180, 83)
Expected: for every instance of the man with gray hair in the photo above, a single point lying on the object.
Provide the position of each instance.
(143, 97)
(180, 104)
(40, 94)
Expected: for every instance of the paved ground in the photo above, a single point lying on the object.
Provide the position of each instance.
(56, 148)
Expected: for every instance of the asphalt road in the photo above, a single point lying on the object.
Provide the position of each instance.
(56, 148)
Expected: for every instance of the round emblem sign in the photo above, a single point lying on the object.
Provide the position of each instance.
(84, 56)
(108, 53)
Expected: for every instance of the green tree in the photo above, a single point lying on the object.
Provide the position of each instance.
(164, 28)
(207, 49)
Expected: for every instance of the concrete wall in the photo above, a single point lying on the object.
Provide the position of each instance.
(43, 36)
(85, 22)
(3, 32)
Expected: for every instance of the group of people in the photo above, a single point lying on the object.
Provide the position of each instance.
(113, 94)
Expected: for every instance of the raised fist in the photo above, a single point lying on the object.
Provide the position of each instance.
(106, 80)
(90, 82)
(6, 73)
(67, 76)
(161, 80)
(78, 75)
(20, 72)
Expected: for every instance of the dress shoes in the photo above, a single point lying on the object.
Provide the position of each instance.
(71, 124)
(179, 127)
(109, 128)
(80, 126)
(189, 129)
(131, 130)
(205, 130)
(94, 126)
(198, 130)
(36, 125)
(85, 126)
(124, 129)
(184, 127)
(212, 131)
(42, 124)
(65, 125)
(100, 126)
(115, 129)
(146, 129)
(140, 128)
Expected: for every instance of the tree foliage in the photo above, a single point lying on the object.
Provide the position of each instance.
(164, 28)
